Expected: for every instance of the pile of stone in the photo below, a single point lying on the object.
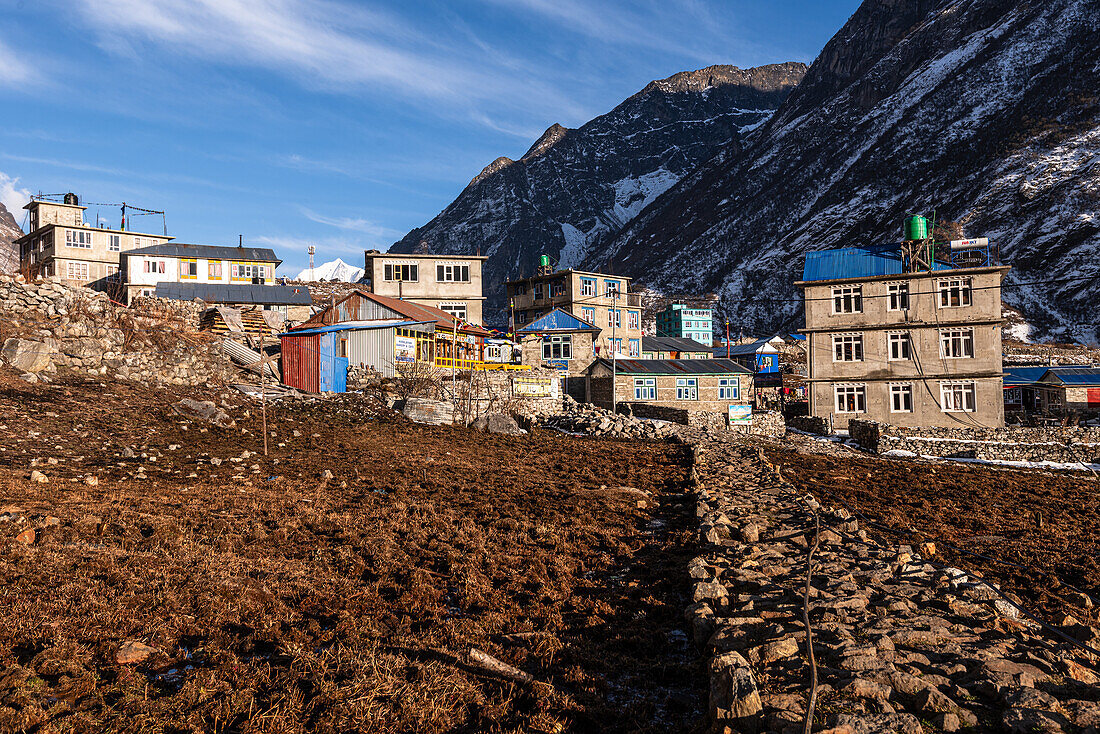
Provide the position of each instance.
(902, 644)
(52, 327)
(589, 419)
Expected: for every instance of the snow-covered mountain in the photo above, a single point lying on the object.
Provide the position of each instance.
(335, 270)
(9, 231)
(984, 111)
(576, 188)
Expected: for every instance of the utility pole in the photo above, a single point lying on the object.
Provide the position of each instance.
(727, 338)
(614, 350)
(311, 250)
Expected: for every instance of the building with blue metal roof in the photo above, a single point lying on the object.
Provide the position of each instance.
(906, 333)
(561, 341)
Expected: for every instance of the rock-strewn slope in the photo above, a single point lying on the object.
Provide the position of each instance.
(575, 188)
(9, 232)
(985, 111)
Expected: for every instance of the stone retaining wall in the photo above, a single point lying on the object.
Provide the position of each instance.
(51, 327)
(1057, 444)
(903, 644)
(809, 424)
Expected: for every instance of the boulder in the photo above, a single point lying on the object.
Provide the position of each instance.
(204, 410)
(498, 423)
(25, 355)
(733, 691)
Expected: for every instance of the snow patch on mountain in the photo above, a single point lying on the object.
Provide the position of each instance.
(632, 194)
(334, 270)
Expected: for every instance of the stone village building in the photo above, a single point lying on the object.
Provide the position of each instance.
(595, 298)
(450, 283)
(560, 341)
(145, 268)
(651, 387)
(61, 244)
(907, 347)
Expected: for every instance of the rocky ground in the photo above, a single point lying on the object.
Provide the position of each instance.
(902, 642)
(160, 573)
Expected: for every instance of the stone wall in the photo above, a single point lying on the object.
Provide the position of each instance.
(1057, 444)
(52, 327)
(903, 642)
(809, 424)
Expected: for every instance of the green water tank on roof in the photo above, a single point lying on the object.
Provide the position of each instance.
(544, 261)
(916, 228)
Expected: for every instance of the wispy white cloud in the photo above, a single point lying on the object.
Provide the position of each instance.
(334, 46)
(12, 196)
(353, 224)
(14, 72)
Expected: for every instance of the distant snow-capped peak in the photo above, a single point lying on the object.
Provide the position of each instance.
(335, 270)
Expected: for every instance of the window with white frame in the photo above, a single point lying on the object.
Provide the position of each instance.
(850, 398)
(955, 292)
(957, 397)
(112, 271)
(114, 242)
(154, 266)
(588, 313)
(687, 388)
(634, 347)
(611, 288)
(588, 286)
(634, 319)
(956, 343)
(645, 388)
(897, 296)
(78, 238)
(900, 346)
(614, 318)
(729, 388)
(559, 346)
(397, 271)
(901, 397)
(847, 347)
(452, 273)
(848, 299)
(76, 271)
(457, 310)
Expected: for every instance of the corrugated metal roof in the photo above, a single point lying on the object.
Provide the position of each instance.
(677, 367)
(671, 344)
(217, 252)
(350, 325)
(558, 320)
(257, 295)
(1017, 376)
(856, 262)
(1076, 376)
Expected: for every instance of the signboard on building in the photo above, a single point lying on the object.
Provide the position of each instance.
(557, 364)
(534, 387)
(740, 415)
(404, 349)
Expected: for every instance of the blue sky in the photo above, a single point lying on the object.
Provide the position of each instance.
(343, 124)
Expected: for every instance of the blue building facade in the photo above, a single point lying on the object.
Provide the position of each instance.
(686, 322)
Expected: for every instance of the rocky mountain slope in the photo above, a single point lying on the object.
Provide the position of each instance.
(985, 111)
(576, 188)
(9, 231)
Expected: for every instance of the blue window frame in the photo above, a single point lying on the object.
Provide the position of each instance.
(588, 313)
(687, 388)
(588, 286)
(729, 388)
(635, 347)
(612, 286)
